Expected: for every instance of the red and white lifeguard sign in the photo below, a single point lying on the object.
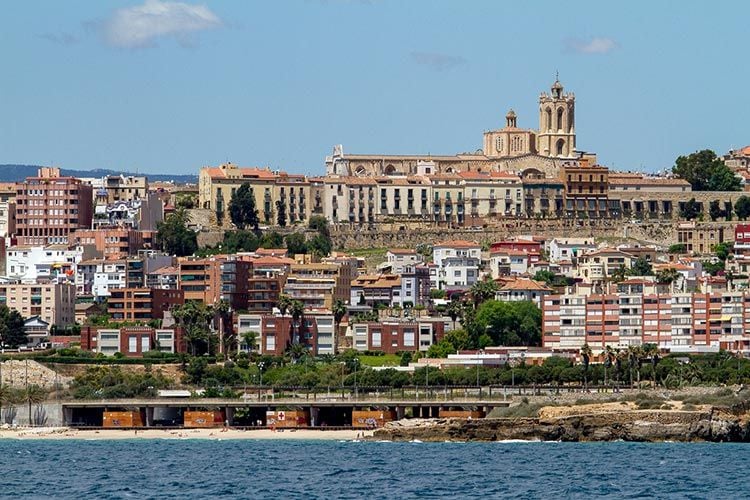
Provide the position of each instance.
(280, 416)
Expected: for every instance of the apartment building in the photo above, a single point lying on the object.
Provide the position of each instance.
(132, 341)
(114, 242)
(275, 333)
(125, 188)
(455, 264)
(7, 209)
(491, 194)
(54, 303)
(600, 265)
(568, 249)
(200, 278)
(42, 263)
(142, 304)
(397, 259)
(522, 289)
(393, 335)
(318, 285)
(377, 290)
(49, 207)
(680, 322)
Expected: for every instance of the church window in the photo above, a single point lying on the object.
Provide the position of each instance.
(548, 116)
(499, 144)
(559, 118)
(560, 147)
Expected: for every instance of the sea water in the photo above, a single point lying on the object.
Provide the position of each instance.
(195, 468)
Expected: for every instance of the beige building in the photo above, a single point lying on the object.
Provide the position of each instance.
(216, 185)
(507, 149)
(53, 303)
(125, 188)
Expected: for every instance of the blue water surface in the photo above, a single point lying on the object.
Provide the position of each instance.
(328, 469)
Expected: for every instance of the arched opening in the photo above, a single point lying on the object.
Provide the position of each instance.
(548, 118)
(389, 170)
(560, 147)
(450, 170)
(360, 170)
(570, 121)
(559, 118)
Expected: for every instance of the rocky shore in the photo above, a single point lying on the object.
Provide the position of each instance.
(704, 424)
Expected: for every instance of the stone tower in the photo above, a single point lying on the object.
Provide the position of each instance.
(557, 134)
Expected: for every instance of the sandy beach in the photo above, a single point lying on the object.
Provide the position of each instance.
(266, 434)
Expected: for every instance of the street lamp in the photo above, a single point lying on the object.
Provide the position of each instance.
(261, 364)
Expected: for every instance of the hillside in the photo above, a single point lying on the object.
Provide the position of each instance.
(15, 173)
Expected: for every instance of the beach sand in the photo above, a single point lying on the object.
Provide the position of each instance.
(218, 433)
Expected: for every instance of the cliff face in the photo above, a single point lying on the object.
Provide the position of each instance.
(632, 425)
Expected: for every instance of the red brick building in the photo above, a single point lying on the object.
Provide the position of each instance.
(142, 304)
(132, 341)
(49, 207)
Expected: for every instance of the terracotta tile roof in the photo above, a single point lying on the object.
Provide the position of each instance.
(457, 244)
(525, 284)
(250, 172)
(402, 251)
(638, 179)
(166, 270)
(274, 252)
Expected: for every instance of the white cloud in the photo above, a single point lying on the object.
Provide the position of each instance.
(141, 25)
(597, 45)
(437, 60)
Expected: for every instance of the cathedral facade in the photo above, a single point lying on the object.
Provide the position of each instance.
(538, 153)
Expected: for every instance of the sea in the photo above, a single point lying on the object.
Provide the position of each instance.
(195, 468)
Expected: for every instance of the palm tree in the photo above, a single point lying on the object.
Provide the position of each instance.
(297, 309)
(667, 276)
(482, 291)
(586, 354)
(455, 310)
(651, 352)
(609, 355)
(250, 339)
(285, 301)
(34, 395)
(339, 310)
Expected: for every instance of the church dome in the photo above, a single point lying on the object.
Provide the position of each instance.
(557, 85)
(511, 114)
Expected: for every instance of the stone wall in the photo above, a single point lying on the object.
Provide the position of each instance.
(399, 236)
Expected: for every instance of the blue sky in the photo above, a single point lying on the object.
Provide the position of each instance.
(169, 86)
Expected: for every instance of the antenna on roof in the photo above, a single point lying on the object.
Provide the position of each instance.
(557, 76)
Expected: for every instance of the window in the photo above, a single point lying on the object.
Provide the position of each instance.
(145, 344)
(456, 274)
(376, 339)
(408, 338)
(132, 344)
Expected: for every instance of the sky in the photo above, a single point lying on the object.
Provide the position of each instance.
(168, 87)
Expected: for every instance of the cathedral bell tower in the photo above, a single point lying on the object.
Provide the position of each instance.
(557, 135)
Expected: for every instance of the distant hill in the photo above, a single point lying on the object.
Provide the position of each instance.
(16, 173)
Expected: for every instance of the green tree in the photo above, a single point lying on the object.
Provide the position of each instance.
(690, 210)
(722, 250)
(508, 323)
(406, 358)
(339, 310)
(667, 276)
(482, 291)
(242, 209)
(677, 248)
(586, 354)
(12, 332)
(271, 239)
(34, 395)
(285, 302)
(742, 207)
(706, 172)
(295, 243)
(455, 311)
(195, 319)
(240, 241)
(320, 245)
(281, 213)
(318, 223)
(641, 267)
(545, 276)
(715, 211)
(174, 237)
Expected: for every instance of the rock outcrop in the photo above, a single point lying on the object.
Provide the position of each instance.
(630, 425)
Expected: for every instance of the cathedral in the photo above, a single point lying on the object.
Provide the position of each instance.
(510, 148)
